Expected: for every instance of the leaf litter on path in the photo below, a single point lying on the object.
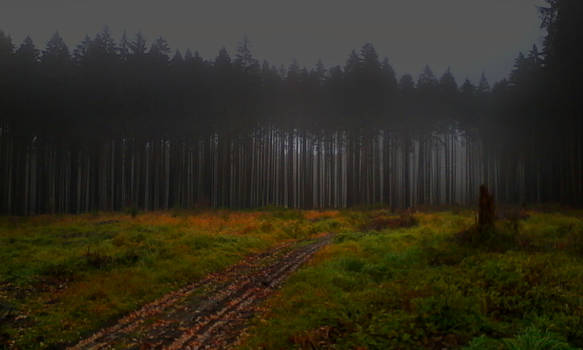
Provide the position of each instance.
(211, 313)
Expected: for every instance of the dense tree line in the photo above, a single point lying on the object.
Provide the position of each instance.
(112, 123)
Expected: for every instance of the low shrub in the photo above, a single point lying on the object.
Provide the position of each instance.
(534, 339)
(381, 221)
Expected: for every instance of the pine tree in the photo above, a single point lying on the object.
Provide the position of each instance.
(244, 59)
(369, 60)
(56, 52)
(188, 57)
(159, 50)
(427, 81)
(447, 83)
(483, 85)
(27, 53)
(177, 59)
(223, 60)
(138, 46)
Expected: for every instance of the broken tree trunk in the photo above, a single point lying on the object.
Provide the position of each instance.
(487, 212)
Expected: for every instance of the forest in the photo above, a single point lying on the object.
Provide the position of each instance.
(129, 124)
(151, 198)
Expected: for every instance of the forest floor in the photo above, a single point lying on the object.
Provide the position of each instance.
(63, 277)
(211, 313)
(275, 279)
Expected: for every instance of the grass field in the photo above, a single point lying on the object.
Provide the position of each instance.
(63, 276)
(427, 287)
(385, 282)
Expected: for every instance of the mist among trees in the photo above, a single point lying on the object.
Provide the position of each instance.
(114, 123)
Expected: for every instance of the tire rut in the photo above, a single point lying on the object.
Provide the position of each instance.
(208, 314)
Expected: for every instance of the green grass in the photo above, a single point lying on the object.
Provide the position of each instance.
(424, 287)
(62, 277)
(377, 286)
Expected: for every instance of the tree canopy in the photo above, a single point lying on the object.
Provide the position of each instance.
(426, 139)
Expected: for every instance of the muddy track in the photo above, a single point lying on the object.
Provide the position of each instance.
(208, 314)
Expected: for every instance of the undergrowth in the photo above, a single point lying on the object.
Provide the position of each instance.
(397, 280)
(63, 277)
(435, 285)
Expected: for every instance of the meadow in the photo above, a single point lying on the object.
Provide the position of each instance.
(431, 287)
(62, 277)
(386, 280)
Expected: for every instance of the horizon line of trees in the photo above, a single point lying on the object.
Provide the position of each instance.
(121, 88)
(111, 124)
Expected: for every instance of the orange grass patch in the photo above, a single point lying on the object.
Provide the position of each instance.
(324, 254)
(319, 214)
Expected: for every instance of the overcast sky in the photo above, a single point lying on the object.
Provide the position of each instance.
(471, 36)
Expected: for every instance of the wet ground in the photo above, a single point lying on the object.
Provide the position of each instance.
(211, 313)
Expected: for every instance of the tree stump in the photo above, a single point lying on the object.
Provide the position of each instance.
(487, 211)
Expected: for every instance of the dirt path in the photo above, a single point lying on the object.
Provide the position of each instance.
(211, 313)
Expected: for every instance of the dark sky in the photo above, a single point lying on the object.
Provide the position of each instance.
(471, 36)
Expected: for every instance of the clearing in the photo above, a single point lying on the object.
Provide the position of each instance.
(210, 313)
(214, 279)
